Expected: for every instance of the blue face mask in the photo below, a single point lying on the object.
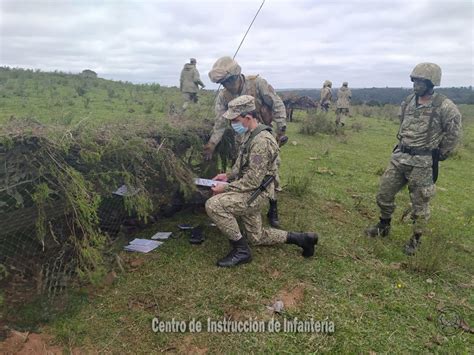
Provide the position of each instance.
(239, 128)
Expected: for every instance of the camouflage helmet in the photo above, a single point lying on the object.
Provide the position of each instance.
(241, 105)
(345, 83)
(427, 71)
(223, 69)
(192, 60)
(327, 83)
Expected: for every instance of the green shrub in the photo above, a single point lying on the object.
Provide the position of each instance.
(317, 122)
(430, 258)
(298, 185)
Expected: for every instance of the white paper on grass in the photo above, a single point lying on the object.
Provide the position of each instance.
(208, 182)
(142, 245)
(140, 248)
(146, 242)
(161, 235)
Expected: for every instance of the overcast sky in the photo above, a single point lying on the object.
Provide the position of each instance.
(292, 44)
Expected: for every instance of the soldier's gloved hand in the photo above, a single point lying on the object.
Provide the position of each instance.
(208, 150)
(443, 157)
(281, 138)
(282, 141)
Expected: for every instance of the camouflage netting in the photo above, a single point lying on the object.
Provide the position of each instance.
(57, 203)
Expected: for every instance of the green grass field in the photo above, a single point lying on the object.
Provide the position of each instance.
(378, 299)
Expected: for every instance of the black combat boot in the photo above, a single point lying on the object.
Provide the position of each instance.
(197, 237)
(412, 244)
(240, 254)
(307, 241)
(273, 214)
(381, 229)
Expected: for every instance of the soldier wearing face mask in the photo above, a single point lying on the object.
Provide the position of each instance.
(430, 129)
(246, 192)
(270, 110)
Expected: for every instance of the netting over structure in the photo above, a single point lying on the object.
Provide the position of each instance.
(65, 193)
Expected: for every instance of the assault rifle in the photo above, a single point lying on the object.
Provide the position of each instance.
(267, 180)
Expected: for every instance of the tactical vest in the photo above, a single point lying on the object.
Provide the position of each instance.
(264, 112)
(246, 146)
(436, 103)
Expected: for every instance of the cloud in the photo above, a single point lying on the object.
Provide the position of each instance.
(292, 43)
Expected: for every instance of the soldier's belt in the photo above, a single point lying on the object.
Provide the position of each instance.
(415, 151)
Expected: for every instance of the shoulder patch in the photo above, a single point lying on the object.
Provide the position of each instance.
(257, 159)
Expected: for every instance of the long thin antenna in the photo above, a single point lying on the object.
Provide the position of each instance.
(241, 42)
(248, 29)
(240, 45)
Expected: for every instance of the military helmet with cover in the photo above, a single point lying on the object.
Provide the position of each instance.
(427, 71)
(239, 106)
(327, 83)
(223, 69)
(345, 83)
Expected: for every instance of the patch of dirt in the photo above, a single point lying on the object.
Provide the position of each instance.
(186, 346)
(291, 298)
(143, 303)
(29, 343)
(19, 289)
(275, 274)
(398, 266)
(335, 210)
(360, 205)
(234, 313)
(135, 263)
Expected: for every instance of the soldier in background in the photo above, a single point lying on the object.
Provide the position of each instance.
(255, 163)
(189, 83)
(269, 108)
(430, 129)
(326, 96)
(343, 103)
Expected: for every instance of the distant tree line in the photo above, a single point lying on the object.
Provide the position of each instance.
(382, 96)
(16, 77)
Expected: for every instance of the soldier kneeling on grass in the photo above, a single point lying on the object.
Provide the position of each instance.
(430, 128)
(251, 181)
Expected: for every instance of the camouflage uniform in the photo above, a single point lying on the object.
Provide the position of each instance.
(343, 103)
(246, 176)
(413, 169)
(265, 97)
(326, 96)
(189, 82)
(424, 129)
(269, 107)
(255, 163)
(256, 159)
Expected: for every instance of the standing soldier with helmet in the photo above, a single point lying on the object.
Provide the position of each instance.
(189, 83)
(343, 103)
(269, 108)
(326, 96)
(430, 129)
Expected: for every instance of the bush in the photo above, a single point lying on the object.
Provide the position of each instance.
(386, 111)
(317, 122)
(430, 258)
(356, 126)
(298, 185)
